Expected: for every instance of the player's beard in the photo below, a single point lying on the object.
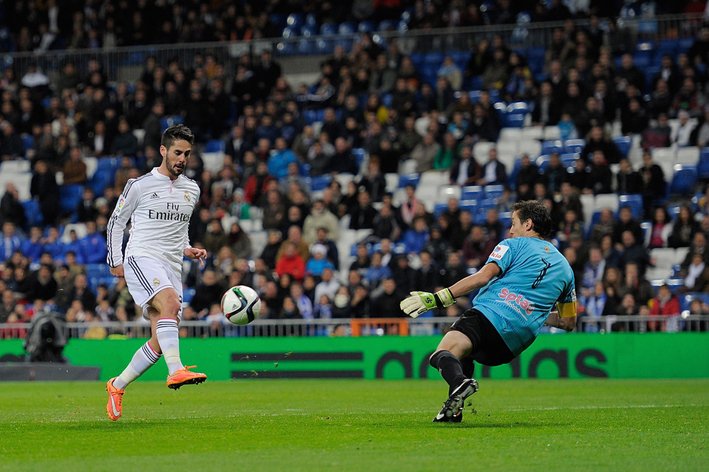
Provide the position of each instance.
(174, 169)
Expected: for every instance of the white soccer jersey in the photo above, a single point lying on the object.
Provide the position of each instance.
(159, 210)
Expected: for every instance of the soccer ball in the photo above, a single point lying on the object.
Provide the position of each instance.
(241, 304)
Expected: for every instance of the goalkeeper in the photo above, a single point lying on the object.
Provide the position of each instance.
(522, 281)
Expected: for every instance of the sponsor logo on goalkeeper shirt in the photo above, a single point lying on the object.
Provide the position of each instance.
(517, 299)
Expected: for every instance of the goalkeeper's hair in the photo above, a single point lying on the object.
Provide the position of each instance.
(538, 213)
(176, 133)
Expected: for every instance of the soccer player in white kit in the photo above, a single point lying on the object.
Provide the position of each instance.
(159, 205)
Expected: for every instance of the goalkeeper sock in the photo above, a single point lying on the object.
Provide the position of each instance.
(450, 368)
(468, 368)
(142, 360)
(169, 340)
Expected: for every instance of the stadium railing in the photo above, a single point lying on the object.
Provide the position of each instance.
(126, 63)
(352, 327)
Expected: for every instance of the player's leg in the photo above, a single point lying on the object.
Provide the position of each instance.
(164, 323)
(453, 347)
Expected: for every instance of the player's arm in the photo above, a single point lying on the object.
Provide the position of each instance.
(190, 252)
(421, 302)
(117, 224)
(564, 317)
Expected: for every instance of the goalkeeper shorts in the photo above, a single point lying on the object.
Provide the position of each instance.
(488, 346)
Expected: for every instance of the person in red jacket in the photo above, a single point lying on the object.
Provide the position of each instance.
(664, 304)
(291, 262)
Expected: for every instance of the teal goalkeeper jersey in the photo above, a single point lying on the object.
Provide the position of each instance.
(534, 276)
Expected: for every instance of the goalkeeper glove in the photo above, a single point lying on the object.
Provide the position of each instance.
(418, 303)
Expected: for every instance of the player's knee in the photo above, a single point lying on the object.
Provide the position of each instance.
(170, 307)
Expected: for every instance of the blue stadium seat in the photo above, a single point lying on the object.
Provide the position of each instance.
(494, 191)
(311, 19)
(410, 179)
(470, 206)
(308, 31)
(386, 25)
(188, 295)
(320, 182)
(69, 197)
(290, 32)
(472, 192)
(328, 29)
(439, 208)
(27, 142)
(569, 159)
(101, 179)
(515, 115)
(549, 147)
(703, 167)
(33, 214)
(434, 58)
(359, 154)
(634, 202)
(365, 26)
(306, 47)
(685, 44)
(542, 162)
(346, 28)
(683, 180)
(623, 143)
(574, 145)
(666, 46)
(324, 46)
(167, 121)
(295, 20)
(214, 145)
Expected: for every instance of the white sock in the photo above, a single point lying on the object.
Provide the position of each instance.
(169, 339)
(142, 360)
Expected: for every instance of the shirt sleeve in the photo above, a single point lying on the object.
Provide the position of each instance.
(569, 295)
(502, 254)
(186, 239)
(119, 219)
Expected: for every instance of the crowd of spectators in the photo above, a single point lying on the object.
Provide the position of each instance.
(372, 98)
(103, 24)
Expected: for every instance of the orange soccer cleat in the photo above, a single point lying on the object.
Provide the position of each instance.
(114, 407)
(185, 377)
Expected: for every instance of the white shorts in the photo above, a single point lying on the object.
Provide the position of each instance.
(146, 277)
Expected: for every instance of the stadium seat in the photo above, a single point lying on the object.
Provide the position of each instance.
(33, 213)
(295, 20)
(328, 29)
(472, 192)
(634, 202)
(346, 28)
(542, 162)
(320, 182)
(493, 192)
(214, 145)
(410, 179)
(365, 26)
(683, 180)
(703, 166)
(574, 145)
(101, 179)
(69, 197)
(167, 121)
(549, 147)
(623, 144)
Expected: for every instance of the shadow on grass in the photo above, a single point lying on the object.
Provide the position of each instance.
(472, 424)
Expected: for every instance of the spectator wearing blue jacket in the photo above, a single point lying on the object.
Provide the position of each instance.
(74, 245)
(93, 245)
(33, 247)
(376, 272)
(280, 159)
(317, 261)
(11, 241)
(415, 238)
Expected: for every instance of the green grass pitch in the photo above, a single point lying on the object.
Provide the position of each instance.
(357, 425)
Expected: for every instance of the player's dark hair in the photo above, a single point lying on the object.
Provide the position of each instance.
(176, 133)
(538, 213)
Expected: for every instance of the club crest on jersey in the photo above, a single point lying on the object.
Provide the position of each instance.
(188, 197)
(499, 251)
(156, 281)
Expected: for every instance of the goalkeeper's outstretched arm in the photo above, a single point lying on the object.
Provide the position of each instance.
(418, 303)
